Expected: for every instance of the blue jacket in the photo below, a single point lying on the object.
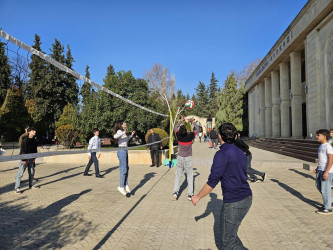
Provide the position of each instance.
(229, 167)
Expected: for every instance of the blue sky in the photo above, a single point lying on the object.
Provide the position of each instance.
(191, 38)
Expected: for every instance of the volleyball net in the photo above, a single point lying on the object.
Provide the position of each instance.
(19, 54)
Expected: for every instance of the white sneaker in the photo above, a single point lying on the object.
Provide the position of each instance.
(122, 190)
(127, 189)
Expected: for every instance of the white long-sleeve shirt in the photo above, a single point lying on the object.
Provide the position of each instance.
(122, 138)
(94, 143)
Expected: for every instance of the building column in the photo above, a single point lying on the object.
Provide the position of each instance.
(256, 111)
(276, 128)
(251, 112)
(262, 109)
(268, 107)
(284, 96)
(296, 94)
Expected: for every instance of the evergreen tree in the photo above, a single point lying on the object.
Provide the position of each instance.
(230, 102)
(13, 115)
(213, 107)
(5, 78)
(86, 89)
(202, 100)
(71, 87)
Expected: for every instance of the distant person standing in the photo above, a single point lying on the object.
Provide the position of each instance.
(120, 133)
(213, 137)
(250, 171)
(229, 168)
(324, 171)
(184, 159)
(200, 135)
(94, 144)
(154, 149)
(2, 151)
(28, 146)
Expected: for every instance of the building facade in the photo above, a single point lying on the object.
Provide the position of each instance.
(206, 124)
(290, 93)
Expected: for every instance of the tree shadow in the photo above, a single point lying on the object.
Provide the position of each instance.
(185, 184)
(303, 174)
(145, 179)
(298, 194)
(213, 206)
(42, 228)
(10, 187)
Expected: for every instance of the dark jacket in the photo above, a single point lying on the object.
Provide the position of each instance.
(213, 134)
(28, 146)
(185, 142)
(239, 143)
(153, 138)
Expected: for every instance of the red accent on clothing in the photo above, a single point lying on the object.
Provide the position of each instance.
(185, 143)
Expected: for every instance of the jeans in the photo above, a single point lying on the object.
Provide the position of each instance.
(92, 160)
(214, 143)
(232, 215)
(324, 188)
(123, 167)
(184, 163)
(154, 153)
(31, 170)
(250, 171)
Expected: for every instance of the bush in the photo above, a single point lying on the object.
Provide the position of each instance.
(66, 135)
(162, 135)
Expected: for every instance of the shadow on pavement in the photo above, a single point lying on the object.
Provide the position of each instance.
(46, 228)
(303, 174)
(146, 178)
(298, 194)
(213, 206)
(109, 170)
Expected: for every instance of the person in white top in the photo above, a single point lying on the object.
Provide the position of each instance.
(2, 151)
(324, 171)
(120, 133)
(94, 145)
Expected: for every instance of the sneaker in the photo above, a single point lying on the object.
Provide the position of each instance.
(18, 191)
(34, 187)
(174, 196)
(122, 190)
(264, 177)
(127, 189)
(324, 211)
(189, 197)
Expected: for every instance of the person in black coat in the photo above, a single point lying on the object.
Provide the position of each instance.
(250, 171)
(154, 148)
(28, 146)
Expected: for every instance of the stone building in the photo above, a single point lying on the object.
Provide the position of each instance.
(290, 93)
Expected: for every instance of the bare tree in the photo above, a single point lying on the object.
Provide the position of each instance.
(243, 75)
(160, 81)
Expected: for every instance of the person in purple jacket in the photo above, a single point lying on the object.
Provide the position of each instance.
(229, 168)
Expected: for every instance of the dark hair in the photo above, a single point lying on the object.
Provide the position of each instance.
(94, 130)
(182, 131)
(331, 130)
(117, 127)
(323, 132)
(31, 129)
(26, 126)
(228, 132)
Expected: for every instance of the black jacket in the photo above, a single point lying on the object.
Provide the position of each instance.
(28, 146)
(213, 134)
(153, 138)
(239, 143)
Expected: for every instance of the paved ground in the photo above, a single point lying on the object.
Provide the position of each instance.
(71, 211)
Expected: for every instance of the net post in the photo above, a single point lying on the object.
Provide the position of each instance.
(170, 139)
